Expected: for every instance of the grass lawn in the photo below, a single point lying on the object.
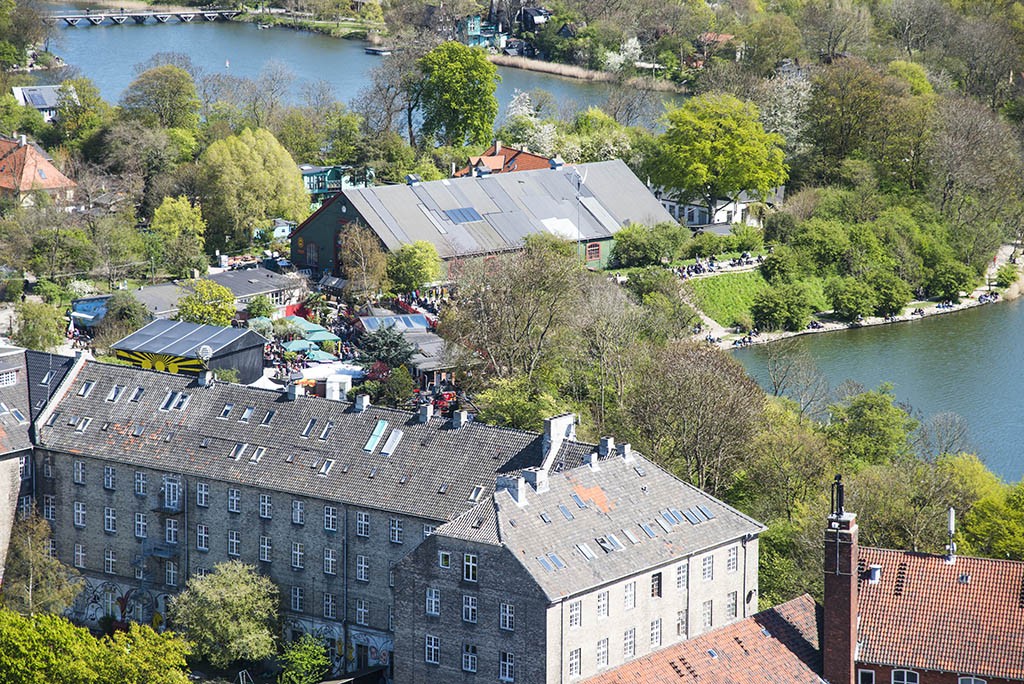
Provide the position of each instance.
(727, 297)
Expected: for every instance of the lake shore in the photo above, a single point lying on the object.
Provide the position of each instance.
(138, 5)
(581, 73)
(727, 337)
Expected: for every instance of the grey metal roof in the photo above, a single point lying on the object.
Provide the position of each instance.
(582, 202)
(613, 499)
(38, 97)
(254, 281)
(431, 471)
(179, 338)
(160, 300)
(45, 373)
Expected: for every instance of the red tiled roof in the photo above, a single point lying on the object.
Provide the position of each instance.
(23, 169)
(966, 617)
(776, 646)
(508, 159)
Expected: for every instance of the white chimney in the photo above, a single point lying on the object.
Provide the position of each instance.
(874, 574)
(336, 387)
(607, 446)
(591, 460)
(362, 403)
(426, 413)
(515, 486)
(627, 453)
(951, 547)
(459, 419)
(497, 147)
(556, 431)
(295, 390)
(206, 378)
(537, 478)
(22, 141)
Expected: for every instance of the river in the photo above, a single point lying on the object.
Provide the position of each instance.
(107, 54)
(965, 362)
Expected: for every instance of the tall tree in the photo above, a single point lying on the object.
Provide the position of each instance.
(305, 661)
(35, 581)
(163, 96)
(457, 94)
(208, 304)
(362, 261)
(229, 614)
(37, 325)
(180, 233)
(413, 266)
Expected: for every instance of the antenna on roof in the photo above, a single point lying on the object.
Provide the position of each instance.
(951, 547)
(838, 496)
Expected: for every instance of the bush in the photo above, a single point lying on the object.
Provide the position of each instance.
(1007, 275)
(745, 238)
(850, 298)
(638, 245)
(13, 288)
(892, 293)
(782, 266)
(948, 279)
(52, 293)
(706, 244)
(786, 307)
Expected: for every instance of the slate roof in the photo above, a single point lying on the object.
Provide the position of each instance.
(430, 473)
(179, 338)
(494, 213)
(775, 646)
(966, 617)
(14, 401)
(585, 504)
(45, 373)
(162, 299)
(24, 169)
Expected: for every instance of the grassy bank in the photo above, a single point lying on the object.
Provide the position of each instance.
(727, 298)
(346, 28)
(580, 73)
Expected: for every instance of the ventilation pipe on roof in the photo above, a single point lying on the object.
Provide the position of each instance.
(22, 141)
(537, 478)
(556, 162)
(426, 413)
(606, 447)
(515, 486)
(951, 547)
(413, 179)
(874, 574)
(460, 419)
(295, 390)
(362, 403)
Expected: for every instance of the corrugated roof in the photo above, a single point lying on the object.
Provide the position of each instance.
(178, 338)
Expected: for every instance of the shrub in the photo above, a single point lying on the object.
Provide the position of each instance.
(786, 307)
(782, 266)
(948, 279)
(892, 293)
(1007, 275)
(850, 298)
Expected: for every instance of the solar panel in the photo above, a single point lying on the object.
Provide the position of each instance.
(706, 511)
(463, 215)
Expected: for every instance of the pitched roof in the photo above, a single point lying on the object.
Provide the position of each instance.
(23, 168)
(430, 468)
(254, 281)
(966, 617)
(179, 338)
(775, 646)
(45, 373)
(505, 160)
(603, 523)
(494, 213)
(14, 401)
(38, 97)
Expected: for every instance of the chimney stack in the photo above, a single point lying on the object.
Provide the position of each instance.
(606, 447)
(537, 478)
(591, 460)
(22, 141)
(206, 378)
(951, 546)
(556, 431)
(627, 453)
(497, 147)
(459, 419)
(841, 556)
(426, 413)
(294, 391)
(515, 486)
(362, 403)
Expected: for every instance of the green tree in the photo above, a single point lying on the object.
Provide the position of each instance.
(851, 298)
(246, 180)
(163, 96)
(869, 428)
(81, 111)
(387, 346)
(35, 581)
(362, 261)
(140, 655)
(514, 402)
(37, 326)
(948, 279)
(305, 661)
(208, 304)
(892, 293)
(783, 307)
(1007, 275)
(413, 266)
(457, 94)
(994, 526)
(258, 306)
(716, 148)
(180, 233)
(397, 388)
(48, 648)
(230, 614)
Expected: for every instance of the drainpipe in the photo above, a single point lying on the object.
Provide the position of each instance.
(344, 594)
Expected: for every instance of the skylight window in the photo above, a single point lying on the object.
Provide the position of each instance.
(706, 511)
(578, 500)
(605, 544)
(226, 410)
(373, 473)
(47, 378)
(18, 415)
(664, 525)
(677, 514)
(640, 471)
(309, 427)
(558, 563)
(616, 544)
(402, 480)
(137, 394)
(115, 393)
(378, 432)
(204, 443)
(566, 512)
(267, 418)
(72, 420)
(3, 408)
(328, 429)
(168, 401)
(668, 517)
(325, 467)
(443, 488)
(237, 450)
(86, 388)
(105, 427)
(463, 215)
(587, 552)
(139, 429)
(168, 437)
(82, 424)
(181, 402)
(648, 530)
(42, 173)
(688, 514)
(257, 454)
(545, 564)
(475, 494)
(633, 539)
(246, 414)
(52, 419)
(545, 517)
(392, 442)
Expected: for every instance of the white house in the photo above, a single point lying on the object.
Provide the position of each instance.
(727, 212)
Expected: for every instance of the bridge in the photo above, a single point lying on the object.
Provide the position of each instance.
(97, 18)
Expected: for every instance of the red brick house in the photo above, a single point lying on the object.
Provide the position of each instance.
(500, 158)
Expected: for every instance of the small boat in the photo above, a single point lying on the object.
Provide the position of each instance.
(263, 26)
(379, 51)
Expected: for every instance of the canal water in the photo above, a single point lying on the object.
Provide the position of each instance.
(107, 54)
(968, 362)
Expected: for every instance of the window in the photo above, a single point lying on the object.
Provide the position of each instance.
(140, 484)
(707, 571)
(575, 663)
(84, 390)
(79, 514)
(45, 382)
(433, 603)
(602, 604)
(730, 605)
(140, 525)
(732, 559)
(115, 393)
(298, 552)
(24, 506)
(656, 585)
(328, 428)
(79, 473)
(109, 477)
(298, 596)
(202, 494)
(48, 468)
(234, 501)
(655, 633)
(507, 666)
(706, 615)
(265, 549)
(593, 251)
(396, 531)
(391, 578)
(170, 574)
(962, 680)
(267, 418)
(246, 414)
(202, 537)
(109, 520)
(682, 620)
(428, 530)
(109, 562)
(629, 595)
(226, 410)
(904, 677)
(49, 507)
(682, 576)
(79, 556)
(233, 537)
(575, 614)
(237, 451)
(172, 488)
(629, 643)
(298, 512)
(309, 427)
(362, 612)
(83, 424)
(469, 608)
(444, 559)
(330, 606)
(468, 658)
(508, 617)
(865, 677)
(432, 649)
(602, 653)
(265, 506)
(362, 524)
(330, 518)
(362, 569)
(469, 562)
(137, 394)
(171, 531)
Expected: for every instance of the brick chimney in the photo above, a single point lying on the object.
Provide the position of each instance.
(840, 612)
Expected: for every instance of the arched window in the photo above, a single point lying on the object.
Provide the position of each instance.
(904, 677)
(971, 680)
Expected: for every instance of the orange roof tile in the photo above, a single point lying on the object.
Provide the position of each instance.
(511, 159)
(23, 168)
(966, 617)
(776, 646)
